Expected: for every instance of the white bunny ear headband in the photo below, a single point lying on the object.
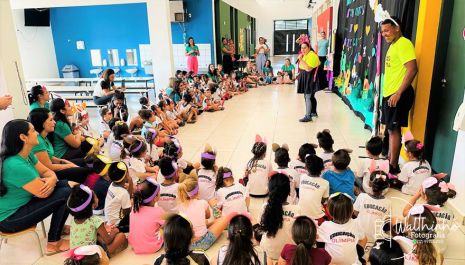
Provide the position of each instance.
(382, 15)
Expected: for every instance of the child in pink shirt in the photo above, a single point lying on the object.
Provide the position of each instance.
(146, 218)
(197, 212)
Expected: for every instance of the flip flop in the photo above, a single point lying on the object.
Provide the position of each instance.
(56, 249)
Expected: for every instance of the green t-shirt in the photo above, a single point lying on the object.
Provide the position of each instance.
(398, 54)
(59, 145)
(84, 234)
(288, 68)
(16, 172)
(36, 105)
(44, 145)
(190, 48)
(266, 70)
(213, 77)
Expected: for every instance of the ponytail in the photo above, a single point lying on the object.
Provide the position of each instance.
(425, 252)
(301, 255)
(33, 95)
(272, 218)
(241, 249)
(147, 190)
(220, 177)
(417, 149)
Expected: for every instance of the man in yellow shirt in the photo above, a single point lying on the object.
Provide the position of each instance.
(400, 69)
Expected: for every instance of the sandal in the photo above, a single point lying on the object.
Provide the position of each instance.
(55, 249)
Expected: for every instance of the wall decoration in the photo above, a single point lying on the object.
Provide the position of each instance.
(360, 51)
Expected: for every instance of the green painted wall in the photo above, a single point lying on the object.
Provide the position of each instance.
(225, 20)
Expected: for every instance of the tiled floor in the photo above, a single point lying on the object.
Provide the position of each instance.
(272, 111)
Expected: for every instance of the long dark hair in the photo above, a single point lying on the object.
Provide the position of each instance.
(304, 236)
(34, 94)
(106, 74)
(193, 41)
(219, 177)
(272, 218)
(55, 106)
(37, 118)
(178, 235)
(258, 151)
(11, 144)
(417, 149)
(144, 191)
(240, 249)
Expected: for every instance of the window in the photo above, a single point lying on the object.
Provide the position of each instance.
(291, 24)
(113, 57)
(96, 57)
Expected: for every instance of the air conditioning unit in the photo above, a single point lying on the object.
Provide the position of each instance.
(177, 13)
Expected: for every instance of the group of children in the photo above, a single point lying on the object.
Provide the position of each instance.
(317, 208)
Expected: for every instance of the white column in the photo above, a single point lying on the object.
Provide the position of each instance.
(11, 71)
(158, 12)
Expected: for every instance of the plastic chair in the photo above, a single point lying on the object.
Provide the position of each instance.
(32, 229)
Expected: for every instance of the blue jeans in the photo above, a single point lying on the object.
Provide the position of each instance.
(102, 100)
(38, 209)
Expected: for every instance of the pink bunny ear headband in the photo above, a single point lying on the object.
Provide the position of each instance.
(408, 136)
(80, 252)
(384, 167)
(420, 209)
(431, 181)
(259, 139)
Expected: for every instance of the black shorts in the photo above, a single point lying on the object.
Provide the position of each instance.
(397, 117)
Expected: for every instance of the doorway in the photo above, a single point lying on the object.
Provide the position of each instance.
(447, 88)
(286, 32)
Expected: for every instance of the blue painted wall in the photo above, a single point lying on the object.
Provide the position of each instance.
(199, 26)
(100, 27)
(118, 27)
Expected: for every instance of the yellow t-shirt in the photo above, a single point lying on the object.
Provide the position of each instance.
(311, 58)
(399, 53)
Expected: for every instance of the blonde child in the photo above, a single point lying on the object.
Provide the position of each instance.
(86, 229)
(198, 211)
(229, 197)
(146, 218)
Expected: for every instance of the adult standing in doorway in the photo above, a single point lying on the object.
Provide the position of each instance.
(323, 45)
(261, 50)
(105, 88)
(308, 65)
(192, 51)
(400, 69)
(227, 59)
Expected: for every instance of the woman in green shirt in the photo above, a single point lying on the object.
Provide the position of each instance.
(289, 68)
(29, 191)
(192, 51)
(212, 73)
(44, 124)
(66, 141)
(38, 97)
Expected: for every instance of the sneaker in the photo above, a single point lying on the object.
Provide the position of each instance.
(305, 119)
(314, 115)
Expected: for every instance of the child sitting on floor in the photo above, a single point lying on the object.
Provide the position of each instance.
(325, 141)
(207, 174)
(299, 163)
(86, 228)
(229, 197)
(314, 190)
(146, 218)
(282, 159)
(416, 170)
(137, 163)
(341, 178)
(257, 170)
(118, 200)
(168, 188)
